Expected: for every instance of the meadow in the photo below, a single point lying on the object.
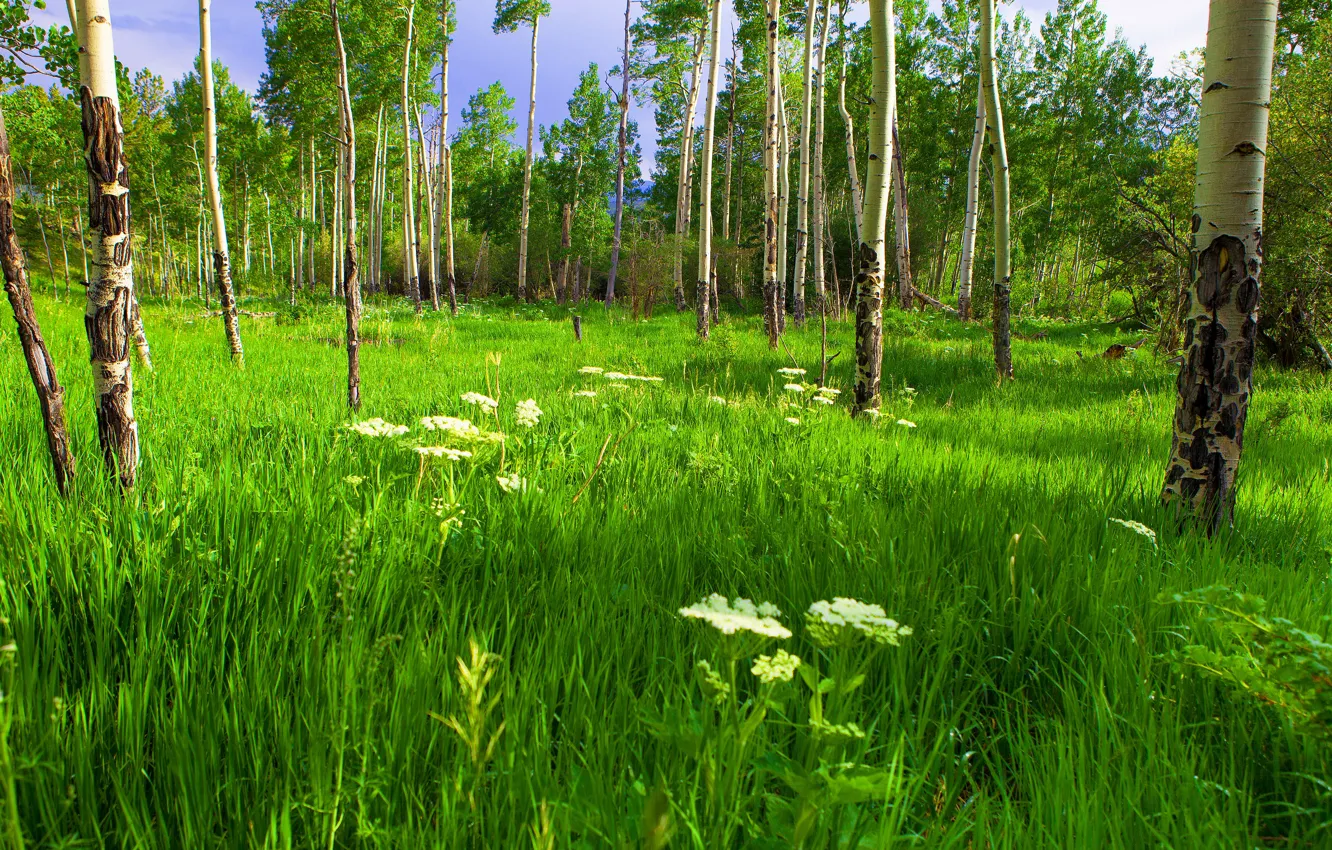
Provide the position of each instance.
(269, 642)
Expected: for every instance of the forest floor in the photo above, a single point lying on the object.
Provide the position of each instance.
(261, 645)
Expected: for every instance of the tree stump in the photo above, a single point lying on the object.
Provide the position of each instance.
(578, 328)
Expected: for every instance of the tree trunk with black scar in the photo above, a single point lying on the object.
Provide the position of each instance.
(50, 394)
(109, 316)
(221, 255)
(771, 144)
(351, 282)
(869, 280)
(994, 119)
(705, 225)
(1221, 326)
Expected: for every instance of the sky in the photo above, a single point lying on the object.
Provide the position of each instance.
(164, 35)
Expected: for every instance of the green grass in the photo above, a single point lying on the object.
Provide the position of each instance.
(194, 667)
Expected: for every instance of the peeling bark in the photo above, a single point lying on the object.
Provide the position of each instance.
(1221, 325)
(50, 394)
(108, 319)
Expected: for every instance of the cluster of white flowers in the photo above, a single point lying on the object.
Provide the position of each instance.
(377, 428)
(527, 413)
(780, 667)
(485, 402)
(872, 412)
(793, 420)
(741, 615)
(843, 620)
(462, 429)
(822, 399)
(585, 394)
(791, 372)
(829, 391)
(906, 423)
(621, 376)
(1137, 527)
(514, 483)
(442, 451)
(591, 370)
(794, 388)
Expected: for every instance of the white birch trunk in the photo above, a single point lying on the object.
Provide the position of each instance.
(526, 212)
(965, 264)
(221, 253)
(1003, 356)
(705, 179)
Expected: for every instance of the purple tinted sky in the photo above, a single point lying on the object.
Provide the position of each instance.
(164, 35)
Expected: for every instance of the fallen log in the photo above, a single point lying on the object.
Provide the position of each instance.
(933, 302)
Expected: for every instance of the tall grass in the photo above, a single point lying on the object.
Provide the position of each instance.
(257, 648)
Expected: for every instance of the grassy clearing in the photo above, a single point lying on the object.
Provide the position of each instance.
(197, 667)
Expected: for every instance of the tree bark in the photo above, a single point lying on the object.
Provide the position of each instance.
(221, 254)
(566, 244)
(816, 177)
(857, 202)
(351, 284)
(622, 160)
(802, 190)
(41, 368)
(902, 221)
(772, 186)
(784, 206)
(445, 205)
(730, 140)
(1216, 379)
(965, 264)
(524, 216)
(994, 119)
(108, 319)
(428, 200)
(684, 179)
(869, 280)
(703, 296)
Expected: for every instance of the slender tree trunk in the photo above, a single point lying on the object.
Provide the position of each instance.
(622, 159)
(784, 202)
(566, 245)
(221, 255)
(432, 234)
(41, 368)
(411, 274)
(816, 178)
(856, 200)
(351, 284)
(730, 140)
(869, 280)
(526, 212)
(1216, 379)
(704, 292)
(965, 264)
(684, 178)
(802, 191)
(445, 204)
(901, 219)
(111, 302)
(1003, 356)
(772, 183)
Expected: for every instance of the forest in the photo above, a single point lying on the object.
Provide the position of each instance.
(918, 436)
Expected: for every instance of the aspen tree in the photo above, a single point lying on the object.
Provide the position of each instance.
(730, 139)
(684, 178)
(509, 15)
(111, 303)
(783, 203)
(351, 283)
(874, 215)
(994, 120)
(802, 191)
(856, 200)
(410, 271)
(41, 368)
(431, 223)
(1221, 326)
(444, 206)
(703, 295)
(221, 253)
(771, 183)
(902, 222)
(816, 179)
(965, 263)
(622, 160)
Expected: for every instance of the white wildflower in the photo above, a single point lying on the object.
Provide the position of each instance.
(442, 451)
(377, 428)
(527, 413)
(616, 385)
(779, 667)
(1137, 527)
(906, 423)
(794, 388)
(829, 391)
(585, 394)
(822, 399)
(463, 429)
(791, 372)
(511, 483)
(872, 412)
(485, 402)
(716, 399)
(738, 616)
(591, 370)
(621, 376)
(492, 437)
(843, 620)
(793, 420)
